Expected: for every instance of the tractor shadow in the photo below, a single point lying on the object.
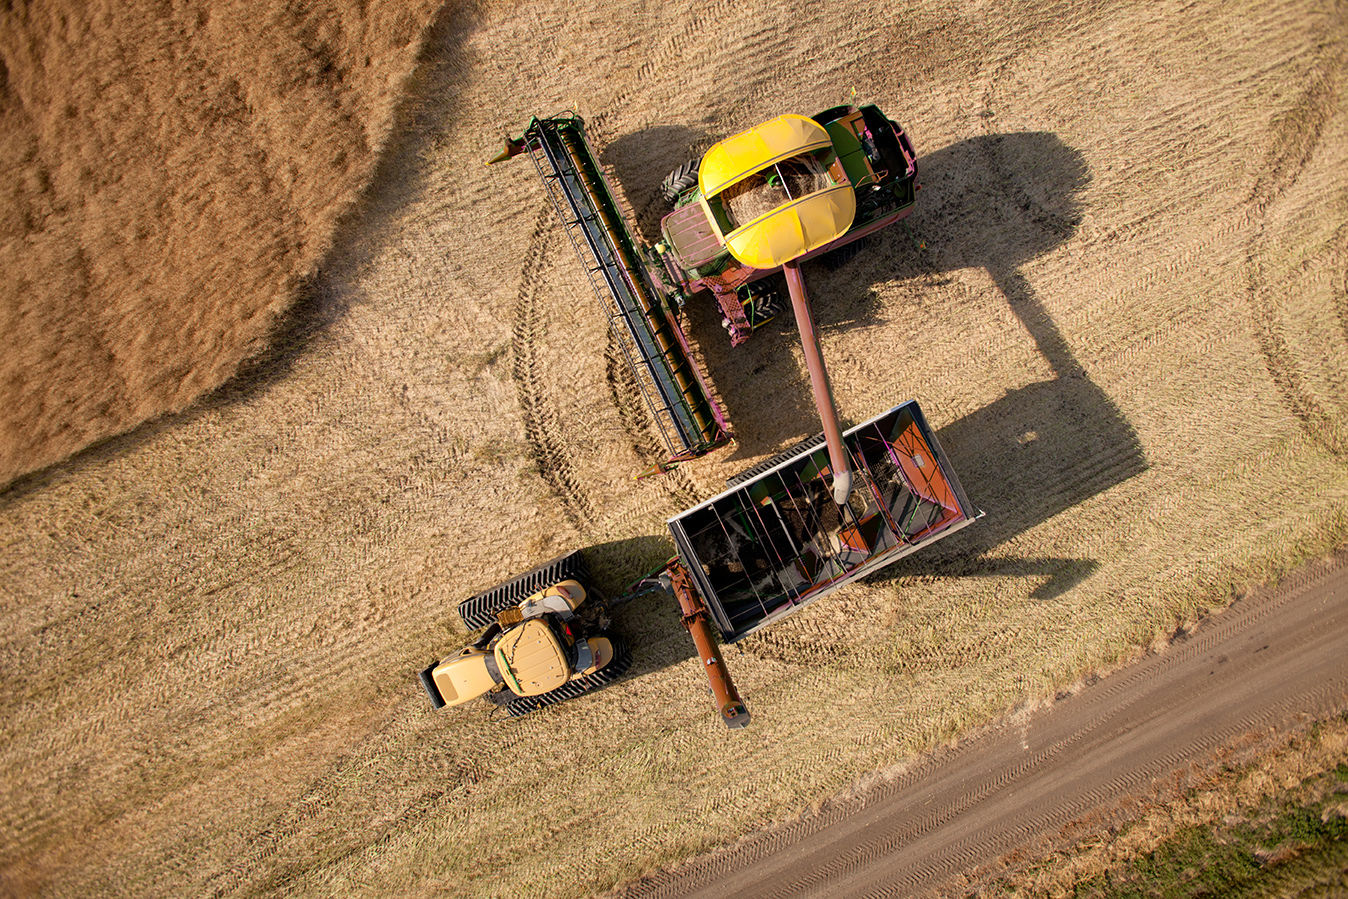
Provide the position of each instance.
(650, 621)
(992, 202)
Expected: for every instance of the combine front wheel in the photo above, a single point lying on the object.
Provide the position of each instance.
(681, 179)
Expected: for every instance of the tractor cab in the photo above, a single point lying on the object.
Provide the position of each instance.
(535, 656)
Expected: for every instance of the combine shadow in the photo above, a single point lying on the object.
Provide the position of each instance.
(996, 202)
(993, 202)
(640, 161)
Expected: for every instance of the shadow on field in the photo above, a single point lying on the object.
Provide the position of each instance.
(649, 621)
(993, 202)
(641, 161)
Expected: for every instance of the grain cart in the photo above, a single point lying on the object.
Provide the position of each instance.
(757, 204)
(775, 540)
(770, 544)
(546, 640)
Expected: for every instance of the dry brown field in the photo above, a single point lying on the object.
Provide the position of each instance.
(173, 175)
(1122, 301)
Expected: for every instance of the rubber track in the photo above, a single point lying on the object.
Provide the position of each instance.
(616, 668)
(480, 610)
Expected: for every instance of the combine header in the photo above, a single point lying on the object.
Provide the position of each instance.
(654, 345)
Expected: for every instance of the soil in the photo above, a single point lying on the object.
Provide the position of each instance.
(1121, 301)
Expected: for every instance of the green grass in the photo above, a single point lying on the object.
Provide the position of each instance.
(1276, 847)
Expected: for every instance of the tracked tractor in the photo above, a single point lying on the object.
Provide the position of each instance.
(545, 639)
(757, 204)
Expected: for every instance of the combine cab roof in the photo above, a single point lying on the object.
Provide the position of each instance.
(793, 229)
(739, 156)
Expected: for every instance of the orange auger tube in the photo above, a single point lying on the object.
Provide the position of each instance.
(819, 384)
(733, 710)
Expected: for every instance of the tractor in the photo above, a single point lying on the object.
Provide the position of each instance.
(545, 639)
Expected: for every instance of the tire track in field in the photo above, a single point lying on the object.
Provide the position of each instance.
(625, 393)
(543, 428)
(1126, 735)
(1296, 135)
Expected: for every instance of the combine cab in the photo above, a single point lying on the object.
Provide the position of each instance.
(785, 191)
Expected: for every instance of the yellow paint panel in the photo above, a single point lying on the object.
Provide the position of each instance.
(739, 156)
(794, 228)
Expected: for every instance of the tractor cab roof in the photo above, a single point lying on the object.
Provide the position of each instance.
(774, 171)
(532, 659)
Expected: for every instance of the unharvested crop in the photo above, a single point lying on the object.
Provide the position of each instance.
(173, 176)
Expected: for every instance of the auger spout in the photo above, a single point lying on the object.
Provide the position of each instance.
(819, 383)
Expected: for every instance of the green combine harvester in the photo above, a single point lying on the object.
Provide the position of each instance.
(745, 216)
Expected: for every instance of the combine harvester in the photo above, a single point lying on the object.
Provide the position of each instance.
(750, 211)
(787, 531)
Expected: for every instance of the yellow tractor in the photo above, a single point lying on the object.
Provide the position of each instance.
(545, 640)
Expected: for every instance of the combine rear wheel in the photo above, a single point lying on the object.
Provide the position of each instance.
(681, 179)
(616, 668)
(480, 610)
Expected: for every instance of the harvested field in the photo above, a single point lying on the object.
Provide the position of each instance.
(1122, 301)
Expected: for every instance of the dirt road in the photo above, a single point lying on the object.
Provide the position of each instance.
(1268, 662)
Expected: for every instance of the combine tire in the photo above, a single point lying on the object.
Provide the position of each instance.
(764, 300)
(679, 180)
(622, 660)
(751, 473)
(480, 610)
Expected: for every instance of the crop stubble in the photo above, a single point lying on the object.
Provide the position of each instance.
(214, 628)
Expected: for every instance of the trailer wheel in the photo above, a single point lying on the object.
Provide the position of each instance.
(680, 180)
(480, 610)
